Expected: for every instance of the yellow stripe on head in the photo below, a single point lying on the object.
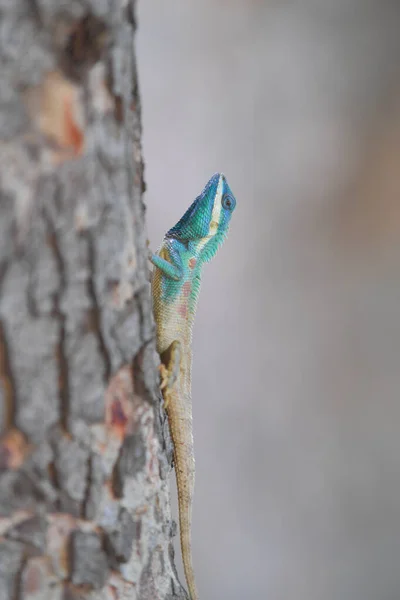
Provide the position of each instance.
(216, 211)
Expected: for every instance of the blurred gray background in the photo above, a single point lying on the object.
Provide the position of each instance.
(297, 341)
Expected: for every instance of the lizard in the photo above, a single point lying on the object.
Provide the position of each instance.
(175, 284)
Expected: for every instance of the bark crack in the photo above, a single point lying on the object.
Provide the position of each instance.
(89, 478)
(30, 290)
(96, 310)
(18, 581)
(7, 380)
(62, 359)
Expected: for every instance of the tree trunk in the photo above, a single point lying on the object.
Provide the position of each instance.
(84, 499)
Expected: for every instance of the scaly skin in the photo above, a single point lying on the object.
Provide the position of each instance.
(175, 290)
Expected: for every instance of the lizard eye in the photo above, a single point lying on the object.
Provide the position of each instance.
(228, 202)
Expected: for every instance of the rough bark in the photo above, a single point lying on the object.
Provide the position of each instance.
(84, 501)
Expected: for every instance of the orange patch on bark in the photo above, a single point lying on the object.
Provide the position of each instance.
(13, 449)
(73, 136)
(118, 416)
(57, 538)
(119, 403)
(56, 109)
(109, 490)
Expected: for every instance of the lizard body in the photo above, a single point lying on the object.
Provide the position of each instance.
(193, 241)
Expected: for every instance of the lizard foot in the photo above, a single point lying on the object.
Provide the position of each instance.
(169, 374)
(164, 383)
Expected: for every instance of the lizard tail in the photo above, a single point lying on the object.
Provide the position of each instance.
(186, 546)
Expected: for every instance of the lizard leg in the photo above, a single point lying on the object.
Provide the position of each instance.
(169, 369)
(169, 270)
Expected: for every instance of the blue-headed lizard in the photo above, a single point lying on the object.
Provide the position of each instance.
(193, 241)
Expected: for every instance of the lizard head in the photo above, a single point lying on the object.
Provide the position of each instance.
(205, 224)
